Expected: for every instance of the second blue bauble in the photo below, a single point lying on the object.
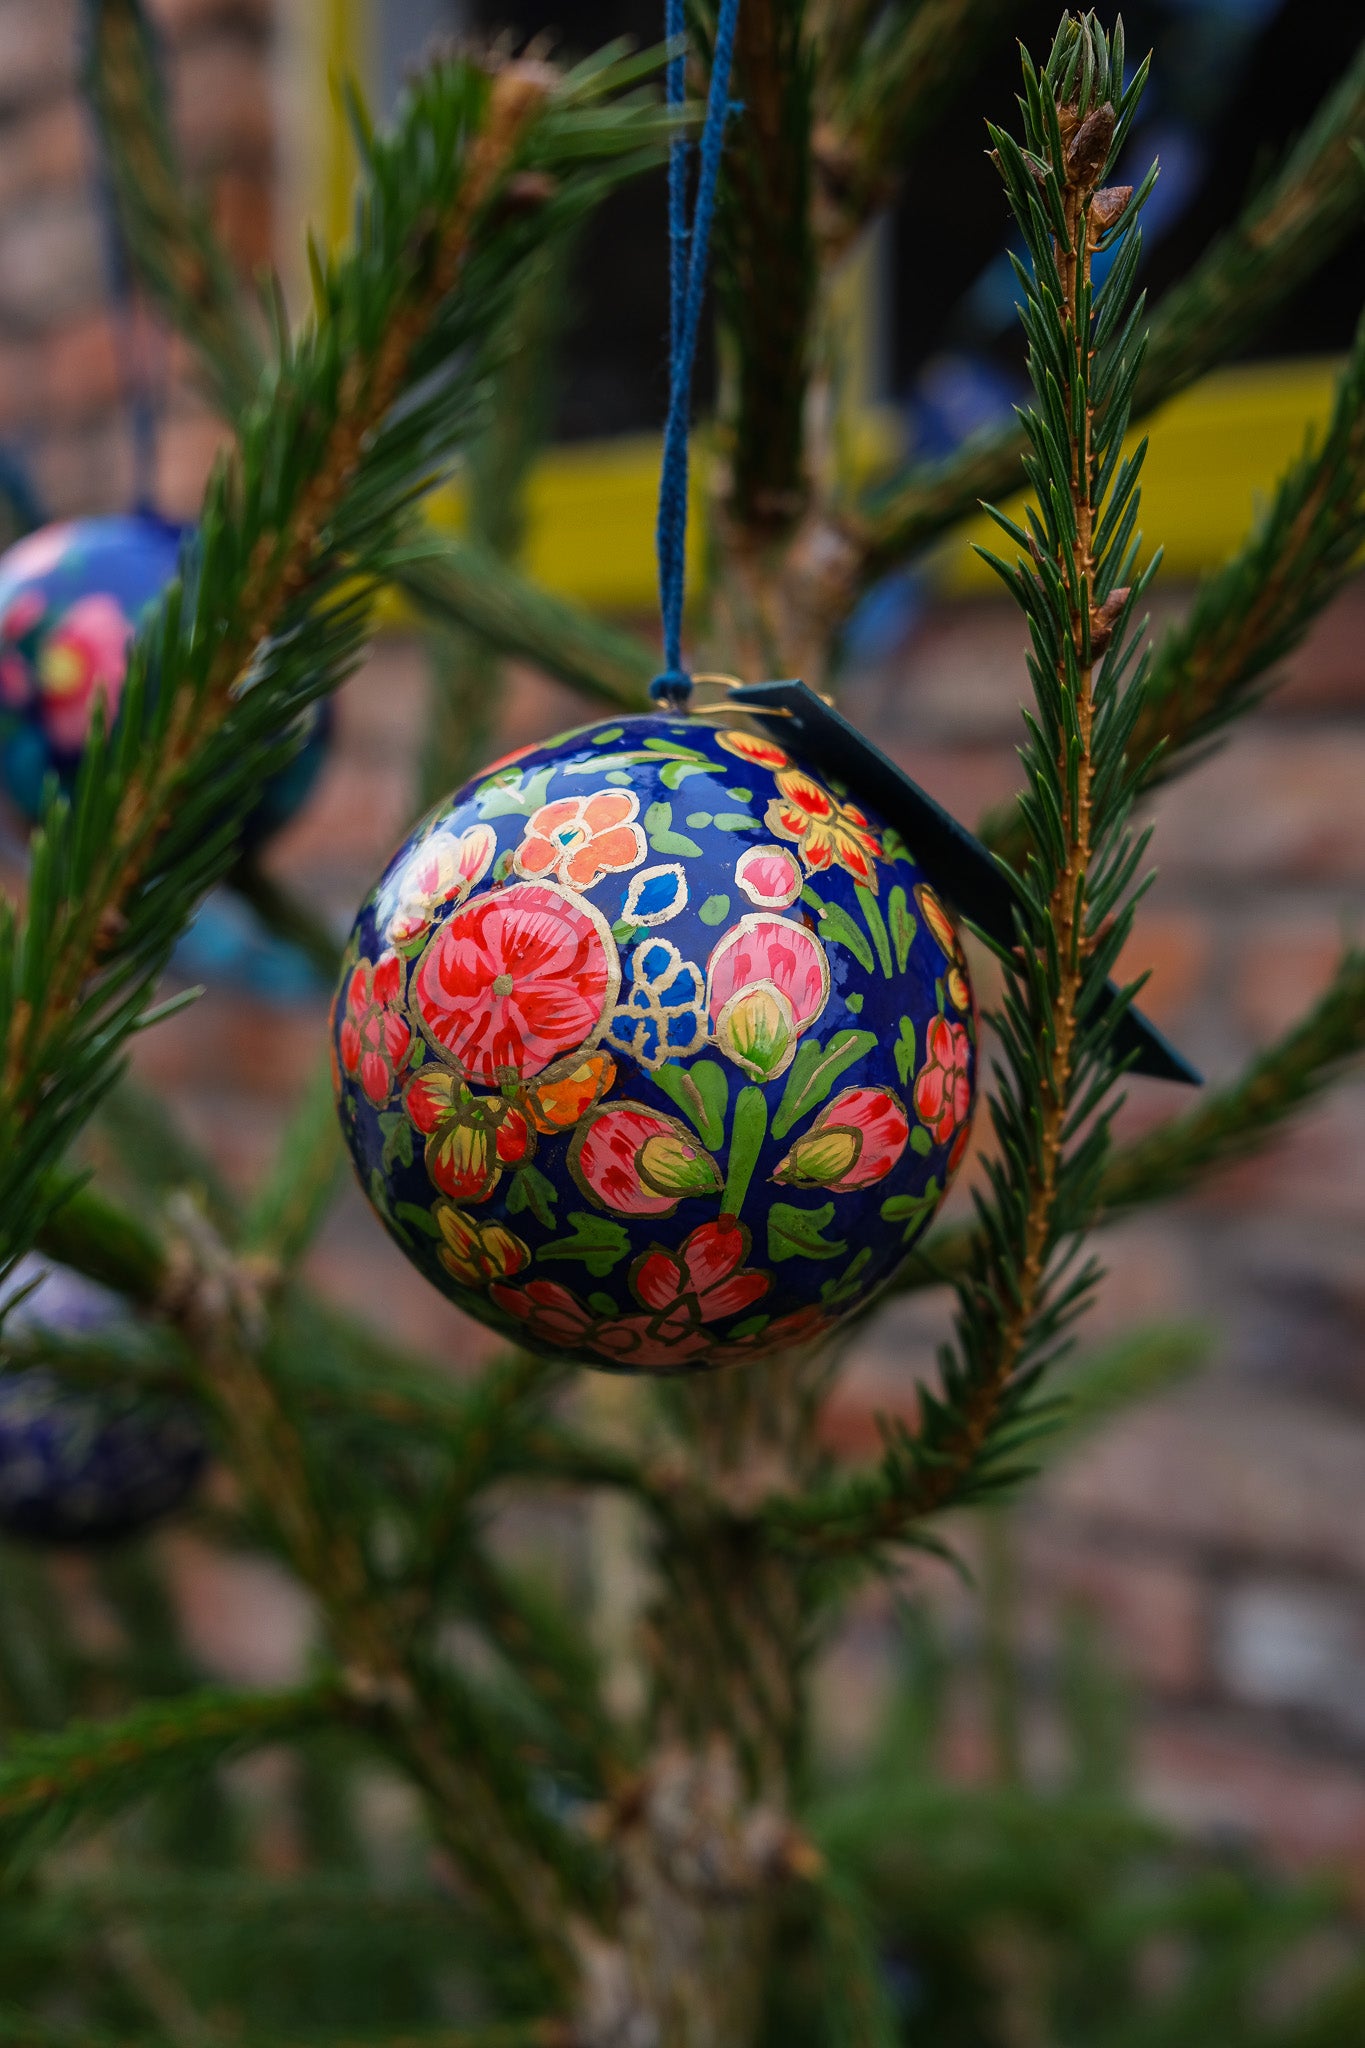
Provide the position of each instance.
(71, 598)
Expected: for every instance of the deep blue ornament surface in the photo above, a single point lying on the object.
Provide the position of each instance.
(71, 598)
(653, 1049)
(79, 1465)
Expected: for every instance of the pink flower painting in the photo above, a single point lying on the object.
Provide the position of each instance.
(82, 663)
(513, 981)
(854, 1142)
(766, 982)
(639, 1161)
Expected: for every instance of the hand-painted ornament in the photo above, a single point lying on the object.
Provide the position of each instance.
(79, 1465)
(71, 597)
(654, 1047)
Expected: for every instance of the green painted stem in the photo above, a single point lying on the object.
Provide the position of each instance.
(747, 1132)
(876, 924)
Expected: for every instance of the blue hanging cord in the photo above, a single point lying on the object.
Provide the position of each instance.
(687, 257)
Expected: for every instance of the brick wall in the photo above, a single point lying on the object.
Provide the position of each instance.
(64, 358)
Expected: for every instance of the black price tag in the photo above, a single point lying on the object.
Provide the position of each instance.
(954, 859)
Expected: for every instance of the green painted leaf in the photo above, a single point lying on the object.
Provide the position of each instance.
(698, 819)
(597, 1243)
(814, 1072)
(613, 732)
(905, 1051)
(516, 798)
(702, 1093)
(676, 752)
(736, 821)
(838, 928)
(623, 931)
(677, 772)
(854, 1003)
(619, 776)
(397, 1139)
(662, 837)
(530, 1190)
(714, 910)
(921, 1142)
(421, 1219)
(903, 923)
(913, 1211)
(876, 924)
(844, 1286)
(751, 1326)
(795, 1233)
(740, 796)
(603, 1304)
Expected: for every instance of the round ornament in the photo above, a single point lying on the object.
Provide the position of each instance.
(71, 598)
(79, 1465)
(653, 1048)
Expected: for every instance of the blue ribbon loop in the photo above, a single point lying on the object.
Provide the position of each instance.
(688, 249)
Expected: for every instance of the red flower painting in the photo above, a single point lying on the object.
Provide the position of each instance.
(943, 1088)
(550, 1312)
(514, 980)
(680, 1293)
(373, 1040)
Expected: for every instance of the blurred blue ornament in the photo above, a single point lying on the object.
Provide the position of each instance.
(71, 598)
(227, 942)
(83, 1465)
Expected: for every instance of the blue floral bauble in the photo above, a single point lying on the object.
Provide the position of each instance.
(653, 1048)
(79, 1465)
(71, 598)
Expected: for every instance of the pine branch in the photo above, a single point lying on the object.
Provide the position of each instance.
(309, 1162)
(279, 585)
(1288, 231)
(885, 77)
(137, 1136)
(19, 2029)
(1053, 1099)
(171, 243)
(83, 1229)
(464, 668)
(90, 1770)
(1212, 667)
(457, 583)
(1229, 1123)
(1259, 605)
(1232, 1122)
(553, 1659)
